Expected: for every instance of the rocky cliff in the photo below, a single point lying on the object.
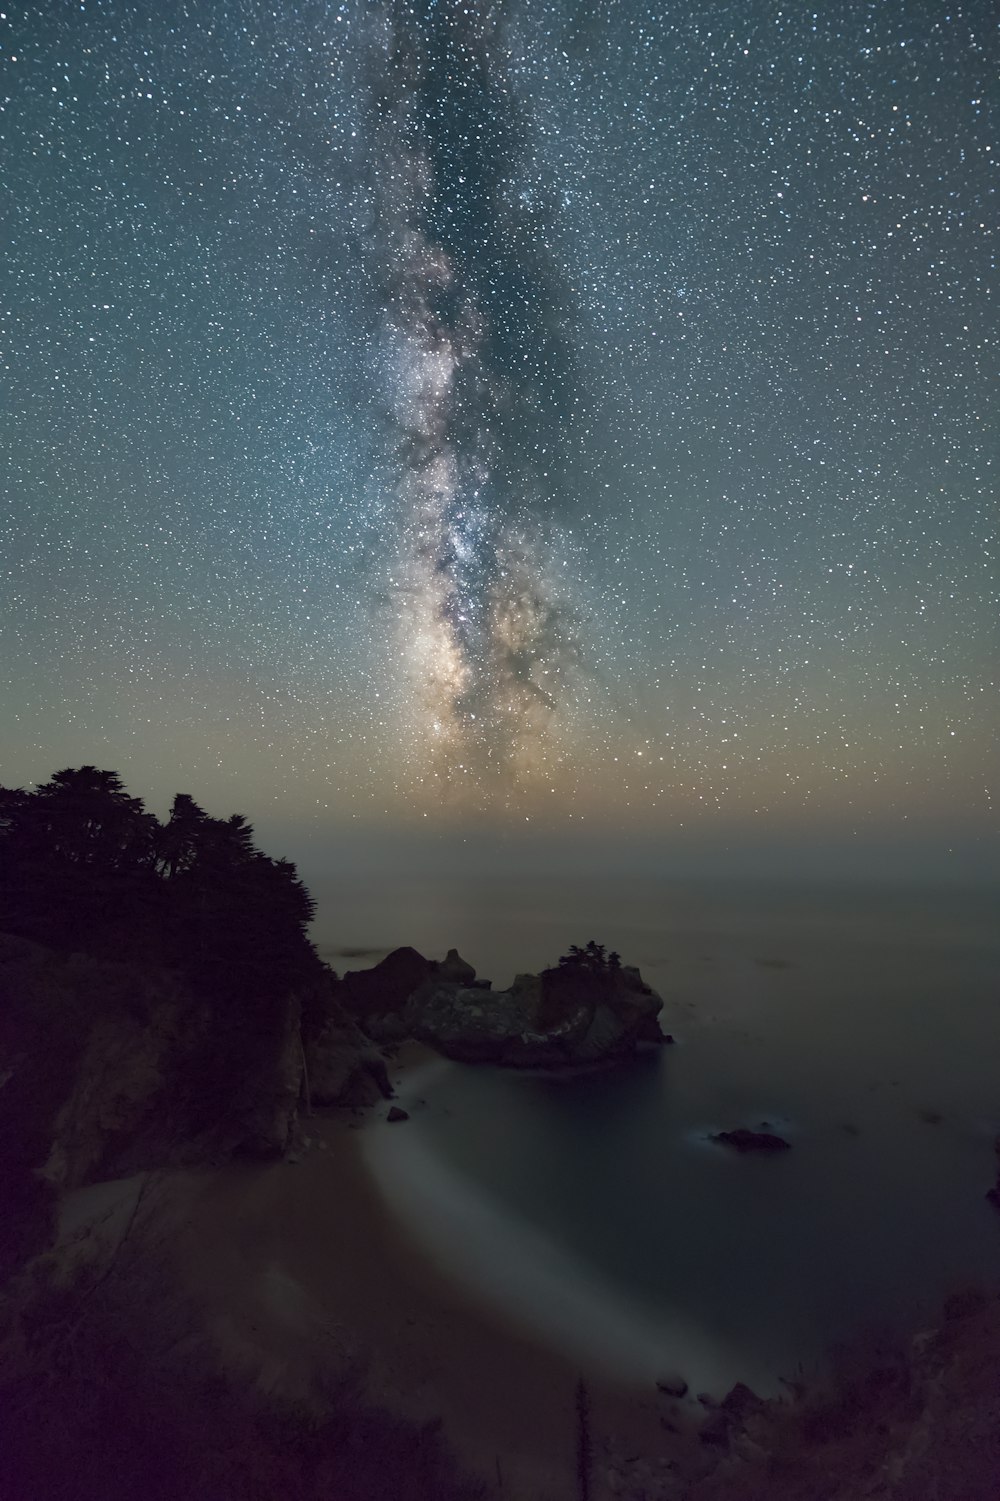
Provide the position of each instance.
(107, 1068)
(110, 1068)
(563, 1017)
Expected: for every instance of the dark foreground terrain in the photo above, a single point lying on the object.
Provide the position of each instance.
(237, 1318)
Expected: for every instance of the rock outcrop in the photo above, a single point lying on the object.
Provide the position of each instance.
(376, 997)
(343, 1067)
(110, 1068)
(126, 1066)
(742, 1140)
(560, 1018)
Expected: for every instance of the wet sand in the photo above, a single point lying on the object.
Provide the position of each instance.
(302, 1275)
(289, 1276)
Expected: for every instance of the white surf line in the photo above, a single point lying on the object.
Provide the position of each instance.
(531, 1279)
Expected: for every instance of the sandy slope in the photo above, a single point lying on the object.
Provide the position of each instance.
(300, 1272)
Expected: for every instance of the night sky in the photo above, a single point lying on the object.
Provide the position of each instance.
(463, 413)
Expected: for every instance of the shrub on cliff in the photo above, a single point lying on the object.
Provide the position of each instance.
(592, 959)
(585, 973)
(84, 867)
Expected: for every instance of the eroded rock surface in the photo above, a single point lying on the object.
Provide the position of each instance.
(343, 1066)
(107, 1069)
(559, 1018)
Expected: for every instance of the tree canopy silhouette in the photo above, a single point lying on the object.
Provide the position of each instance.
(84, 866)
(593, 959)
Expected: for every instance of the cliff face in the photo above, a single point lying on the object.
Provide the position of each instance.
(343, 1065)
(106, 1069)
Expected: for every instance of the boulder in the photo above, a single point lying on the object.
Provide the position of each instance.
(742, 1140)
(342, 1065)
(395, 1114)
(672, 1385)
(455, 969)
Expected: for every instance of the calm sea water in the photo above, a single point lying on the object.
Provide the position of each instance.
(864, 1024)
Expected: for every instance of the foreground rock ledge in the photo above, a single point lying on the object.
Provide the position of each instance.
(565, 1017)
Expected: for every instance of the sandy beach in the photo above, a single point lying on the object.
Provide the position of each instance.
(302, 1275)
(289, 1278)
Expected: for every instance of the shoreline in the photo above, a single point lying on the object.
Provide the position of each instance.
(295, 1281)
(528, 1280)
(304, 1274)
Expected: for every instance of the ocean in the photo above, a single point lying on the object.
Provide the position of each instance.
(861, 1022)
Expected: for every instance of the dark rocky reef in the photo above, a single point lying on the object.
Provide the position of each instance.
(742, 1140)
(563, 1017)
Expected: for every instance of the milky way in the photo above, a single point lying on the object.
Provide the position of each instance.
(475, 337)
(583, 413)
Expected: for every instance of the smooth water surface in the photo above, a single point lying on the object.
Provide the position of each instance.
(864, 1024)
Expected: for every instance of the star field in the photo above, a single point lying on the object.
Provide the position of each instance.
(447, 410)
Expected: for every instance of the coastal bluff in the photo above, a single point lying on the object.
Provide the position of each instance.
(583, 1012)
(111, 1067)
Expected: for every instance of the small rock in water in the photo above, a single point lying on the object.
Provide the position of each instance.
(752, 1141)
(395, 1114)
(672, 1386)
